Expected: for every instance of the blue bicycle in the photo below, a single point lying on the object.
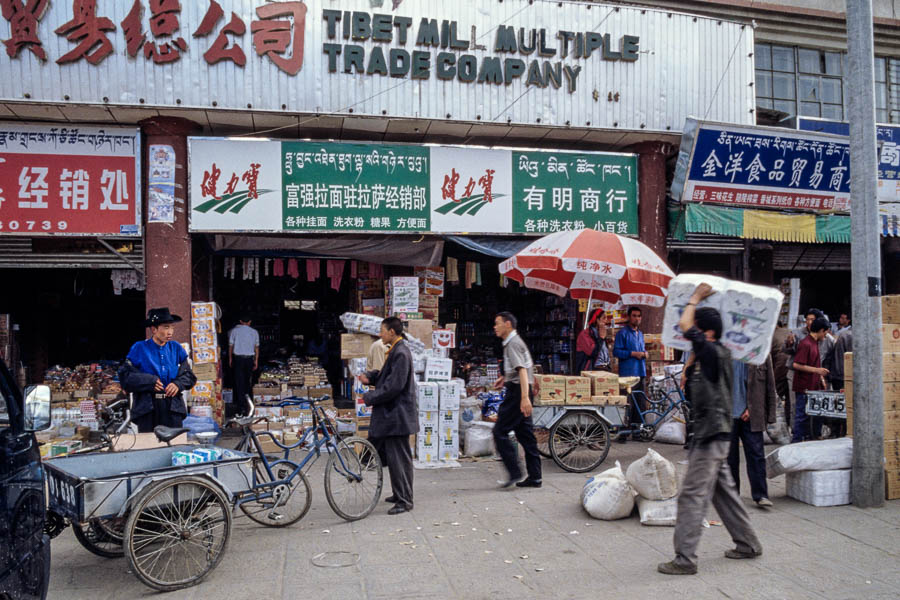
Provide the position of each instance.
(659, 407)
(280, 494)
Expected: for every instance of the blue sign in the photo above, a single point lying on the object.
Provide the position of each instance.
(763, 168)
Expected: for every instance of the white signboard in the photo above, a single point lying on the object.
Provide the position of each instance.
(472, 190)
(438, 369)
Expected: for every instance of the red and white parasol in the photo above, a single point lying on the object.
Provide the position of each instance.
(604, 267)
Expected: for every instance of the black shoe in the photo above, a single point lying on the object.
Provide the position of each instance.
(391, 499)
(622, 438)
(529, 483)
(399, 508)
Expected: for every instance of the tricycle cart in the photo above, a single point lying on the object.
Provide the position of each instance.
(576, 437)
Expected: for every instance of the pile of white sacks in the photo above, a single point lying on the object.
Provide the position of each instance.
(649, 482)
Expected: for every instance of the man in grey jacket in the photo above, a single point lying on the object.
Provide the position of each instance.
(394, 413)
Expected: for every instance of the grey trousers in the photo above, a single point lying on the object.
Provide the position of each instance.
(396, 455)
(709, 478)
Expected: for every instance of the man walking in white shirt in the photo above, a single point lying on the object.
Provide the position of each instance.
(243, 357)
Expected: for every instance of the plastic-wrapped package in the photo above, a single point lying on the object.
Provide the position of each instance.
(821, 455)
(820, 488)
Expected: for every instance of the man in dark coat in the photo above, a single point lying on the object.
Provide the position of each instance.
(394, 413)
(156, 371)
(753, 410)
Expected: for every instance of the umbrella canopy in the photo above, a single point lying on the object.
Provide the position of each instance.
(606, 267)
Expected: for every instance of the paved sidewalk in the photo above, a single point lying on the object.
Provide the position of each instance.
(467, 540)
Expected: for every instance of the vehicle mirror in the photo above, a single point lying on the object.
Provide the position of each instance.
(37, 407)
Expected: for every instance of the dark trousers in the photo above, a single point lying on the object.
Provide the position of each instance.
(754, 453)
(633, 418)
(396, 455)
(510, 418)
(160, 415)
(243, 383)
(805, 427)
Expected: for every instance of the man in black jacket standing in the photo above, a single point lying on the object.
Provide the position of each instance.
(394, 413)
(156, 371)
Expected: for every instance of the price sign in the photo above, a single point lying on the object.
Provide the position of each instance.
(826, 404)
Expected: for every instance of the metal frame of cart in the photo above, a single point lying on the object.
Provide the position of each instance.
(578, 436)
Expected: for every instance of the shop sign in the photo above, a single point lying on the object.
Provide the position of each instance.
(260, 185)
(69, 180)
(580, 64)
(762, 167)
(888, 166)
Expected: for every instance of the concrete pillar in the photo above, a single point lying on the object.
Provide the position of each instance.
(167, 246)
(652, 215)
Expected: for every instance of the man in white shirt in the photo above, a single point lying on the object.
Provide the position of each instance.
(243, 357)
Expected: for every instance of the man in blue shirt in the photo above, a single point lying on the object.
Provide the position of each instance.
(156, 371)
(629, 349)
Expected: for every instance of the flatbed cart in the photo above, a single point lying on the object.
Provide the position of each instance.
(576, 437)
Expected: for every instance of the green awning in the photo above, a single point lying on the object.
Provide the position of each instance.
(758, 224)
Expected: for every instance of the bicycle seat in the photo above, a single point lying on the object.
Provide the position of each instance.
(167, 434)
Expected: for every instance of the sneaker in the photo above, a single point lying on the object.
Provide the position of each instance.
(764, 503)
(673, 568)
(529, 483)
(738, 554)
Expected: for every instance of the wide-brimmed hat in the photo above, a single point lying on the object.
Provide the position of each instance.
(160, 316)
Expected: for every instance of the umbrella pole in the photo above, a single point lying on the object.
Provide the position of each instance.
(588, 311)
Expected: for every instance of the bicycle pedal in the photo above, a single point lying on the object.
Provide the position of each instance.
(275, 517)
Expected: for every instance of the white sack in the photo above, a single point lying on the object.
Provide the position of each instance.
(660, 513)
(749, 314)
(608, 496)
(671, 432)
(822, 455)
(469, 413)
(479, 440)
(653, 477)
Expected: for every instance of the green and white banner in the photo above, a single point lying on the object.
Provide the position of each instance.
(274, 186)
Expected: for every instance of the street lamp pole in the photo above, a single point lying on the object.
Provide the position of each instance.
(867, 481)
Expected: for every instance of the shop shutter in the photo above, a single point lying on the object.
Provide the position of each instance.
(21, 253)
(703, 243)
(811, 257)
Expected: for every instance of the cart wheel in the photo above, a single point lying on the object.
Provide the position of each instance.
(353, 478)
(103, 537)
(288, 503)
(579, 441)
(177, 532)
(542, 434)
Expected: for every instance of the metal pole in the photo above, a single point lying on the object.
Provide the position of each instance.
(867, 482)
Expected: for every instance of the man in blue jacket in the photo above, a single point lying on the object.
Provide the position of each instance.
(630, 350)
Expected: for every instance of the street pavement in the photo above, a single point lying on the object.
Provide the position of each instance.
(466, 539)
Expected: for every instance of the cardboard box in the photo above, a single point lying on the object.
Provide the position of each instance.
(892, 454)
(438, 369)
(428, 301)
(204, 325)
(428, 396)
(356, 345)
(890, 337)
(890, 390)
(318, 392)
(578, 390)
(451, 392)
(428, 440)
(892, 483)
(205, 355)
(553, 390)
(207, 339)
(421, 329)
(203, 310)
(654, 347)
(609, 400)
(890, 309)
(603, 383)
(206, 371)
(890, 364)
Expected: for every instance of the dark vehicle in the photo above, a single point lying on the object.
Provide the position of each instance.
(24, 547)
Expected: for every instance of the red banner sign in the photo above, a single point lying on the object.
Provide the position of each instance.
(83, 181)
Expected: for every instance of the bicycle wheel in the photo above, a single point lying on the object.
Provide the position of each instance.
(579, 441)
(102, 537)
(542, 434)
(177, 532)
(353, 483)
(289, 501)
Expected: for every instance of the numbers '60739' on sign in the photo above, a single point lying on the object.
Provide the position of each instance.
(33, 225)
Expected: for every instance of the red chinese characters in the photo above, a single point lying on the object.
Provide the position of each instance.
(23, 17)
(89, 30)
(486, 182)
(273, 37)
(210, 180)
(249, 177)
(164, 15)
(220, 50)
(448, 190)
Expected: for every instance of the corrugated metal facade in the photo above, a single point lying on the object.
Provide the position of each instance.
(18, 252)
(688, 66)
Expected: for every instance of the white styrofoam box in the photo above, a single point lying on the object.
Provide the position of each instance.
(451, 393)
(428, 396)
(429, 422)
(438, 369)
(820, 488)
(749, 314)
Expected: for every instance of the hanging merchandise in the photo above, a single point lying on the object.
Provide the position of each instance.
(256, 270)
(452, 270)
(353, 267)
(126, 279)
(293, 269)
(278, 267)
(477, 273)
(375, 271)
(335, 270)
(266, 266)
(471, 275)
(313, 269)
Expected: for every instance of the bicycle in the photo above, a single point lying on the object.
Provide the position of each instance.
(661, 406)
(280, 494)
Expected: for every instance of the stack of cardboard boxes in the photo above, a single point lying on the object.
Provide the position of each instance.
(206, 362)
(427, 441)
(593, 388)
(402, 298)
(890, 337)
